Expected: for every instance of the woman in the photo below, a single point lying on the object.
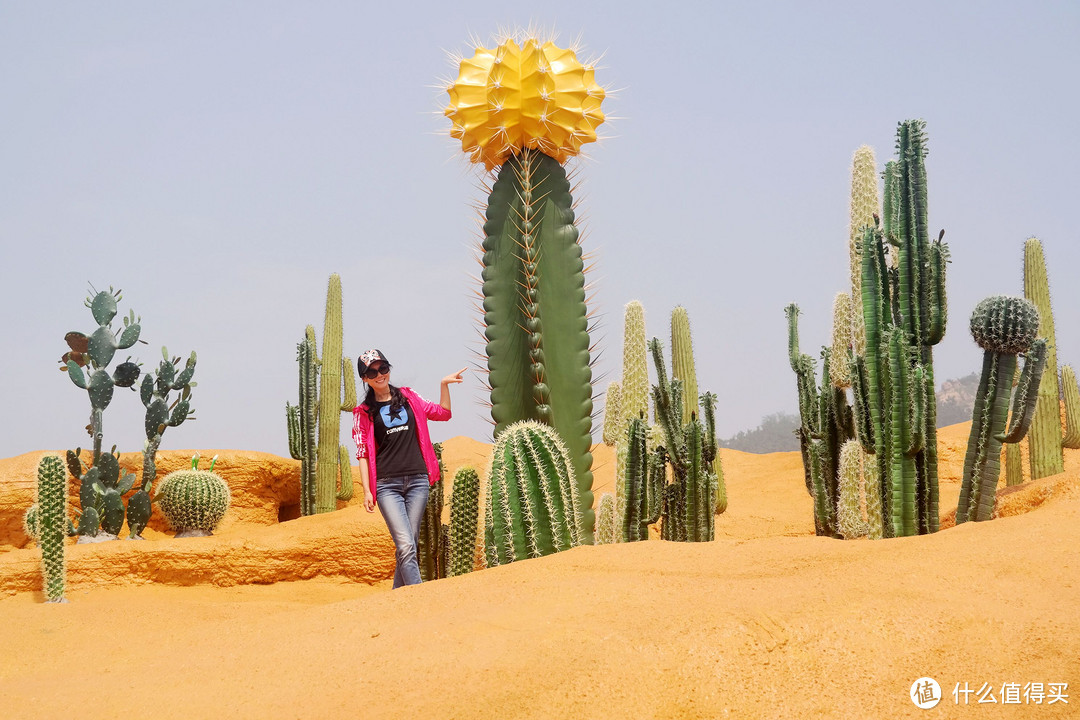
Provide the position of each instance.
(390, 430)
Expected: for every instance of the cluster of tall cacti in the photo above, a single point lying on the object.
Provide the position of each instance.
(826, 423)
(102, 485)
(1004, 327)
(323, 459)
(447, 550)
(898, 314)
(689, 501)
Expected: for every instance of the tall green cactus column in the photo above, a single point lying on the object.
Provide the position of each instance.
(1004, 327)
(52, 525)
(337, 373)
(534, 311)
(303, 420)
(1044, 439)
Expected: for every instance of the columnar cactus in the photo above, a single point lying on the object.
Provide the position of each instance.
(1072, 408)
(523, 110)
(1004, 327)
(605, 519)
(428, 543)
(849, 519)
(1044, 439)
(533, 506)
(52, 525)
(865, 206)
(690, 450)
(634, 399)
(302, 420)
(337, 373)
(908, 295)
(194, 501)
(839, 372)
(826, 422)
(464, 520)
(612, 416)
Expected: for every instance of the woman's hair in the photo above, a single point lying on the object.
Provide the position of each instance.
(397, 401)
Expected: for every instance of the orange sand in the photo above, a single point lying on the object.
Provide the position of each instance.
(768, 621)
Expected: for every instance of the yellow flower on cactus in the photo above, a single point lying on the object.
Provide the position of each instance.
(536, 95)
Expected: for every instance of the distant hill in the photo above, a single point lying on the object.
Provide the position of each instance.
(776, 433)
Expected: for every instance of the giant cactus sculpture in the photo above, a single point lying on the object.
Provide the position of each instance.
(523, 110)
(1045, 455)
(533, 507)
(1004, 327)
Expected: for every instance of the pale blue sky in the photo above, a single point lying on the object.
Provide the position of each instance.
(218, 160)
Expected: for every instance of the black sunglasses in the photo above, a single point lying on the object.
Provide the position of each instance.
(373, 372)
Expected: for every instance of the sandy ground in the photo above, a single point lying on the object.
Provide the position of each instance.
(768, 621)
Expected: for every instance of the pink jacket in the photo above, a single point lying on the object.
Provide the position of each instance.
(364, 434)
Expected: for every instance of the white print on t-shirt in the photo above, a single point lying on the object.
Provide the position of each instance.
(401, 428)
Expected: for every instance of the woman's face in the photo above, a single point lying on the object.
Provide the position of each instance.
(381, 381)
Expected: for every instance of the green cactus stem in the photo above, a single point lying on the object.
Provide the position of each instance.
(849, 519)
(636, 507)
(52, 525)
(1004, 327)
(464, 519)
(428, 543)
(1072, 408)
(634, 398)
(532, 508)
(865, 206)
(345, 488)
(612, 416)
(535, 316)
(606, 522)
(1044, 439)
(682, 360)
(302, 420)
(839, 372)
(337, 377)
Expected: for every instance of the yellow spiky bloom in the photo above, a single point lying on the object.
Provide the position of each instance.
(536, 95)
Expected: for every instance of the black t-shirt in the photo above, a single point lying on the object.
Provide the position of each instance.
(397, 445)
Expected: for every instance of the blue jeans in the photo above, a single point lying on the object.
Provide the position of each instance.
(402, 501)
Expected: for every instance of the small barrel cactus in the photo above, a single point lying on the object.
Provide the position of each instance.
(532, 505)
(194, 501)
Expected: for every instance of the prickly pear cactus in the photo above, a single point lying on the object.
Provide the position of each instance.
(194, 501)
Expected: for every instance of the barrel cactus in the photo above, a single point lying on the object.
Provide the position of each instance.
(194, 501)
(521, 110)
(1003, 327)
(533, 506)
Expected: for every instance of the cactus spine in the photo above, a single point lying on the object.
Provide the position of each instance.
(1072, 408)
(1004, 327)
(52, 525)
(535, 315)
(898, 415)
(464, 519)
(1044, 439)
(533, 506)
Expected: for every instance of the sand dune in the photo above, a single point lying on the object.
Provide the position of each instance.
(767, 621)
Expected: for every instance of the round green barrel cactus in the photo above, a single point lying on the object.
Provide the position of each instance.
(52, 524)
(194, 501)
(533, 504)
